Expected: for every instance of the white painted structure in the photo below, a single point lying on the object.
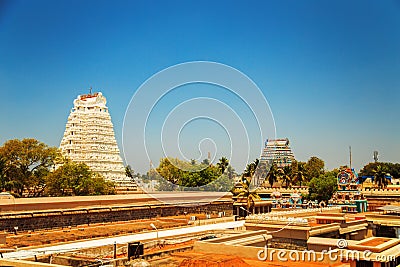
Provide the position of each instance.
(89, 138)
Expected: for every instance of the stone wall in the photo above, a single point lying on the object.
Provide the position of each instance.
(22, 263)
(30, 221)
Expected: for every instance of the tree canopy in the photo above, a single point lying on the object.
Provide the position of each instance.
(26, 163)
(28, 168)
(391, 168)
(245, 192)
(323, 186)
(314, 168)
(173, 174)
(297, 173)
(380, 173)
(76, 179)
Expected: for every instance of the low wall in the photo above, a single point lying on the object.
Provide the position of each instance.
(21, 263)
(30, 221)
(79, 202)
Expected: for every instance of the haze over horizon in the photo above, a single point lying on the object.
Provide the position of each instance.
(329, 70)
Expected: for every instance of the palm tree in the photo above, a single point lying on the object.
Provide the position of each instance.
(251, 169)
(129, 171)
(380, 176)
(250, 195)
(206, 162)
(273, 174)
(223, 164)
(298, 175)
(286, 175)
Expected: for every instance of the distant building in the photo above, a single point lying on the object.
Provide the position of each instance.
(89, 138)
(277, 151)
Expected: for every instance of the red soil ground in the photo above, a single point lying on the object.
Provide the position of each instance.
(43, 237)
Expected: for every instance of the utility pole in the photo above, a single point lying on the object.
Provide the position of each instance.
(376, 156)
(350, 156)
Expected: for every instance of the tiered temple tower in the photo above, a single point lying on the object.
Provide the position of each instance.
(278, 151)
(89, 138)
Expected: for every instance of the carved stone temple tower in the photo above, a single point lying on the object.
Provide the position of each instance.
(89, 138)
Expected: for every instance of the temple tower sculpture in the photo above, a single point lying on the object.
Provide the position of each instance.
(89, 138)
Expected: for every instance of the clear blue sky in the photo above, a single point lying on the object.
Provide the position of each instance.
(330, 70)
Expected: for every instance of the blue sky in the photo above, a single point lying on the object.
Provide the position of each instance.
(330, 70)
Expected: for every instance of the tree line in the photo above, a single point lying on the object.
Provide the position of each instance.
(322, 184)
(176, 174)
(31, 168)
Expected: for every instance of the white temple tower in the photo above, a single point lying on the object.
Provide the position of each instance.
(279, 152)
(89, 138)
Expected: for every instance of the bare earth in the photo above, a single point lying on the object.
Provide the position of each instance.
(43, 237)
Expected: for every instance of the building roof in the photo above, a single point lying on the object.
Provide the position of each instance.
(390, 208)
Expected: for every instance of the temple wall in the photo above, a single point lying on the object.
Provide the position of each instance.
(30, 221)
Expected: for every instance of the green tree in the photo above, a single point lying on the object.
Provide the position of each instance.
(224, 183)
(175, 174)
(246, 193)
(368, 170)
(298, 172)
(223, 164)
(286, 175)
(251, 169)
(380, 176)
(323, 187)
(27, 161)
(99, 186)
(314, 168)
(392, 168)
(76, 179)
(273, 174)
(206, 162)
(129, 172)
(169, 171)
(37, 184)
(207, 175)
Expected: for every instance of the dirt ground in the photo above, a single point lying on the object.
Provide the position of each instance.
(46, 237)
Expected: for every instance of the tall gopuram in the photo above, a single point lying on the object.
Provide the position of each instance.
(278, 151)
(89, 138)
